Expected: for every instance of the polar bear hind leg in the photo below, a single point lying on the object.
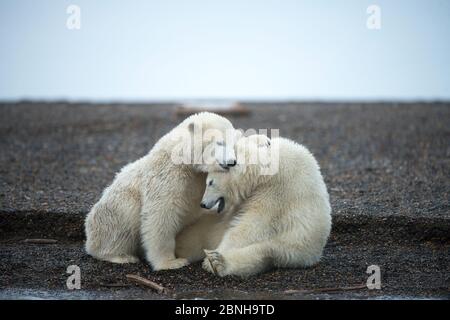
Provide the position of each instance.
(112, 231)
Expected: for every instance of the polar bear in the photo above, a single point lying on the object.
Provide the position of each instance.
(279, 220)
(153, 198)
(208, 230)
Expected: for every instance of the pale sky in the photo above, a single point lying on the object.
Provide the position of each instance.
(234, 49)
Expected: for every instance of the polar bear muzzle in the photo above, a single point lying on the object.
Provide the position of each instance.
(218, 205)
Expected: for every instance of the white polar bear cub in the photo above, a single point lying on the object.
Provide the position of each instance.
(153, 198)
(282, 220)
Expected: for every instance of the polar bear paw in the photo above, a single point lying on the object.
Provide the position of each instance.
(214, 263)
(171, 264)
(123, 259)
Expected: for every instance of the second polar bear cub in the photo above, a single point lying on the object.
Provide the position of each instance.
(282, 220)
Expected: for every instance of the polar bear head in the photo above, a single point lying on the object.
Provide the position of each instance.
(206, 140)
(227, 189)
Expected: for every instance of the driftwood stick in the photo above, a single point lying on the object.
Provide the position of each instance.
(146, 282)
(41, 241)
(319, 290)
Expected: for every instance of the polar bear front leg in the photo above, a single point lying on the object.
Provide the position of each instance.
(158, 240)
(164, 258)
(241, 262)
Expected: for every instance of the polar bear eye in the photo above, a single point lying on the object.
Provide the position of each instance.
(210, 182)
(220, 143)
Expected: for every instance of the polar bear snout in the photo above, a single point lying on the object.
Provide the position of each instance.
(225, 155)
(230, 163)
(218, 204)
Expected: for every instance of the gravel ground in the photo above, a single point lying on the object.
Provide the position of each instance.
(386, 165)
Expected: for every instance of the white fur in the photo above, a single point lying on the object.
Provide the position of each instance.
(282, 220)
(152, 199)
(205, 233)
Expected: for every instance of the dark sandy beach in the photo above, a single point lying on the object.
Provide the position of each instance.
(386, 165)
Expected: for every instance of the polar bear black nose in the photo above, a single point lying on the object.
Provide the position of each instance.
(231, 163)
(202, 205)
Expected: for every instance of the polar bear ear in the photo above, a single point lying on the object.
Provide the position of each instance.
(264, 142)
(261, 140)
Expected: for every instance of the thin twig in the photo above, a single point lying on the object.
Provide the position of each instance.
(147, 283)
(319, 290)
(41, 241)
